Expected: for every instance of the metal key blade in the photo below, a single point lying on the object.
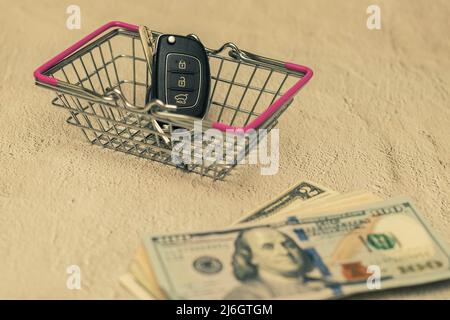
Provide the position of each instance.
(147, 44)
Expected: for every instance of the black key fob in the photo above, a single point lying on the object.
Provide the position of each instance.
(180, 74)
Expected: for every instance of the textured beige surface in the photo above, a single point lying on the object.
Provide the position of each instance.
(376, 116)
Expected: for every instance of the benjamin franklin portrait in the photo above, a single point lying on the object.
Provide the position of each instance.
(270, 264)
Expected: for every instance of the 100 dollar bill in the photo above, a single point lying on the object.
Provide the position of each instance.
(382, 246)
(301, 192)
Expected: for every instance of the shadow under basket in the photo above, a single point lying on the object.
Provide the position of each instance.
(102, 81)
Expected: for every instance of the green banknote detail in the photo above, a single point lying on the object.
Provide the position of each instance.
(301, 192)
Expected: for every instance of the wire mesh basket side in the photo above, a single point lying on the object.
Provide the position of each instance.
(241, 91)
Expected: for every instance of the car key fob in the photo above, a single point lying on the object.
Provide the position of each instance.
(180, 74)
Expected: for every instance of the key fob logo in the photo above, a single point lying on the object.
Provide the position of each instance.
(181, 98)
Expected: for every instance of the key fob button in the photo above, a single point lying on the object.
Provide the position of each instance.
(182, 98)
(182, 63)
(183, 81)
(181, 75)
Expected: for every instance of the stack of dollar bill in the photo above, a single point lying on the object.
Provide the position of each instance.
(308, 243)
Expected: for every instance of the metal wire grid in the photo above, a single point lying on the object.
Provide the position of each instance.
(240, 91)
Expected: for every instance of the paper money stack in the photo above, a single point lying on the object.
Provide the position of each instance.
(310, 242)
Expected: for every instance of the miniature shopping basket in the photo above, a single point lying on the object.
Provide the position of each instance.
(102, 82)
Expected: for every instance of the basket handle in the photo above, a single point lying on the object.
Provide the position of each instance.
(285, 98)
(39, 72)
